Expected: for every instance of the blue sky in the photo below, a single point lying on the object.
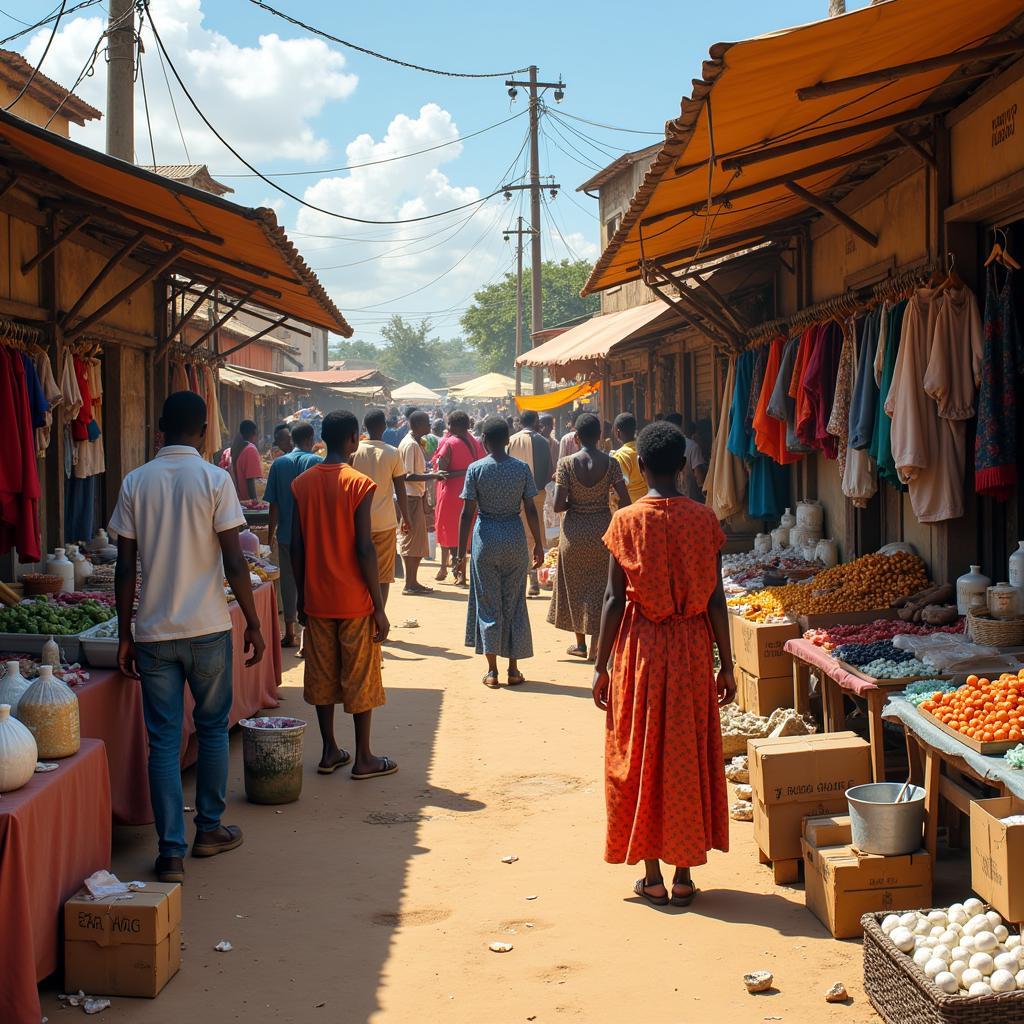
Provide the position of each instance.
(290, 103)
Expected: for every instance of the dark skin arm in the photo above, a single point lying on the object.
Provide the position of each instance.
(718, 613)
(402, 497)
(298, 553)
(533, 520)
(621, 493)
(125, 574)
(366, 553)
(465, 525)
(236, 569)
(272, 521)
(561, 499)
(250, 488)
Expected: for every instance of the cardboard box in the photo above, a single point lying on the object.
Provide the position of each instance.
(123, 947)
(762, 695)
(828, 830)
(997, 855)
(796, 777)
(757, 647)
(841, 884)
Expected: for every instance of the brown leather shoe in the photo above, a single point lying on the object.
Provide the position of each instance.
(209, 844)
(170, 869)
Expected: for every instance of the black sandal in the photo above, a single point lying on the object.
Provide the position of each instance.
(577, 652)
(516, 679)
(640, 887)
(684, 901)
(491, 680)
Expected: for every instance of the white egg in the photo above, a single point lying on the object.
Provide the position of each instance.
(1003, 981)
(1012, 942)
(922, 928)
(934, 966)
(947, 982)
(892, 921)
(908, 920)
(993, 918)
(954, 908)
(967, 941)
(985, 942)
(950, 938)
(970, 976)
(1020, 979)
(958, 916)
(1001, 932)
(922, 956)
(936, 930)
(961, 953)
(937, 917)
(973, 906)
(979, 988)
(1007, 962)
(982, 962)
(922, 942)
(941, 952)
(957, 968)
(978, 923)
(902, 938)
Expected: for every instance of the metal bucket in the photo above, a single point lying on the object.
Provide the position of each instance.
(272, 758)
(882, 827)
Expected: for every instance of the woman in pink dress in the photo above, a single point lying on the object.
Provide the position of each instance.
(458, 450)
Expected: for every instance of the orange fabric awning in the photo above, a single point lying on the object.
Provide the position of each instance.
(554, 399)
(750, 89)
(220, 237)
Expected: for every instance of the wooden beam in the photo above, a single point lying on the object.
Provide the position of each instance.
(23, 311)
(9, 184)
(721, 303)
(917, 67)
(270, 320)
(833, 211)
(684, 314)
(105, 271)
(832, 164)
(48, 250)
(919, 148)
(733, 163)
(231, 311)
(141, 281)
(705, 310)
(205, 274)
(707, 324)
(190, 312)
(256, 337)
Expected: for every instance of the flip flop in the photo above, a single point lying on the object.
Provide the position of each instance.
(286, 642)
(441, 575)
(331, 769)
(389, 769)
(417, 591)
(516, 679)
(640, 888)
(577, 652)
(491, 680)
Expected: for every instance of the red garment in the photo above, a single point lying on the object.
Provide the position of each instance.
(448, 511)
(805, 349)
(19, 470)
(820, 384)
(80, 424)
(770, 433)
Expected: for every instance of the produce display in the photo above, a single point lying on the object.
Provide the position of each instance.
(42, 616)
(107, 631)
(983, 709)
(255, 505)
(925, 689)
(81, 596)
(963, 950)
(744, 572)
(262, 568)
(49, 709)
(1015, 757)
(70, 673)
(830, 637)
(873, 581)
(931, 605)
(885, 668)
(861, 654)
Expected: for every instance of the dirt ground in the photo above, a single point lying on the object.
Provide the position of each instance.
(376, 901)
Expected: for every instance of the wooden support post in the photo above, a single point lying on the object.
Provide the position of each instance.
(177, 328)
(9, 184)
(832, 211)
(722, 304)
(801, 687)
(231, 311)
(255, 337)
(919, 148)
(49, 249)
(876, 698)
(723, 328)
(105, 271)
(932, 774)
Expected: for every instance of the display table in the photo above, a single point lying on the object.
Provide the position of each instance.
(835, 680)
(54, 833)
(947, 765)
(110, 705)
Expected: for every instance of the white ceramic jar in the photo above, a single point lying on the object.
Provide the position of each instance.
(811, 515)
(788, 519)
(18, 752)
(762, 544)
(58, 564)
(780, 537)
(827, 552)
(49, 709)
(1002, 601)
(13, 685)
(972, 590)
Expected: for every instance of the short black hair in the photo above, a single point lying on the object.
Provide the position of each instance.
(495, 430)
(588, 428)
(184, 413)
(662, 447)
(529, 418)
(302, 432)
(282, 426)
(247, 427)
(410, 409)
(545, 418)
(625, 424)
(338, 427)
(393, 418)
(375, 420)
(675, 418)
(437, 427)
(417, 416)
(459, 420)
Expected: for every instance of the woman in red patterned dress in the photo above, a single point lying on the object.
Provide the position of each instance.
(665, 786)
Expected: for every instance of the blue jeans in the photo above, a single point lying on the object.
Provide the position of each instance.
(165, 665)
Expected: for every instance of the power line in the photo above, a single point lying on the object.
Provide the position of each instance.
(170, 94)
(273, 184)
(374, 163)
(50, 17)
(573, 152)
(609, 127)
(380, 56)
(145, 104)
(46, 50)
(606, 150)
(87, 70)
(551, 220)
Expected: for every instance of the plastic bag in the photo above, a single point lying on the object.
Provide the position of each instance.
(953, 652)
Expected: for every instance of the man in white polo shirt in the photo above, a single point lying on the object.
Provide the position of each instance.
(179, 516)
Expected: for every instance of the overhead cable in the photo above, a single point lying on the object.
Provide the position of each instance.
(46, 50)
(53, 15)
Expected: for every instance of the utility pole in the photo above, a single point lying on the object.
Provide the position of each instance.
(120, 113)
(536, 297)
(519, 231)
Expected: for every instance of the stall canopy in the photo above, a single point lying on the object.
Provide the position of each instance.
(415, 392)
(189, 232)
(556, 399)
(244, 378)
(490, 385)
(595, 338)
(784, 119)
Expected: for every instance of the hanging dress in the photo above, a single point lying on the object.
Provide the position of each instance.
(885, 363)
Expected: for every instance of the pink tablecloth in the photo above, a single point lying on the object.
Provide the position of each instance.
(111, 710)
(54, 833)
(819, 659)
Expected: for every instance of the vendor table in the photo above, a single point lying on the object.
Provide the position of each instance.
(961, 763)
(54, 833)
(110, 706)
(835, 680)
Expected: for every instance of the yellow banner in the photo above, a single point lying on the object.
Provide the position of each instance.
(554, 399)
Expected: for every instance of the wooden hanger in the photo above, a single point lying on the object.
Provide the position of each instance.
(952, 279)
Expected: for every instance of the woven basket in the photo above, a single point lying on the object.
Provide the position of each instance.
(37, 584)
(263, 532)
(983, 629)
(903, 995)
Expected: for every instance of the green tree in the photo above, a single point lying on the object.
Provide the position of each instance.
(453, 356)
(490, 323)
(353, 349)
(410, 354)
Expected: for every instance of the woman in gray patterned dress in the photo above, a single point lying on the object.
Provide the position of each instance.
(496, 488)
(584, 482)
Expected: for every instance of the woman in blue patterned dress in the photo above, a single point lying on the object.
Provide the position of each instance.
(496, 488)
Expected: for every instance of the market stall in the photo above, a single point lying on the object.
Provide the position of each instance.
(54, 832)
(111, 710)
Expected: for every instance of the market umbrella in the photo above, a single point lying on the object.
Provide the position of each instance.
(490, 385)
(415, 392)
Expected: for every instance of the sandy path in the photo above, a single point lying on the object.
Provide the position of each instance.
(376, 901)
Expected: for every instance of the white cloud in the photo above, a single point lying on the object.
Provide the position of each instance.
(262, 98)
(571, 245)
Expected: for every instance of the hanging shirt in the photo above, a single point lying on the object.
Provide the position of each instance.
(770, 432)
(865, 390)
(888, 349)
